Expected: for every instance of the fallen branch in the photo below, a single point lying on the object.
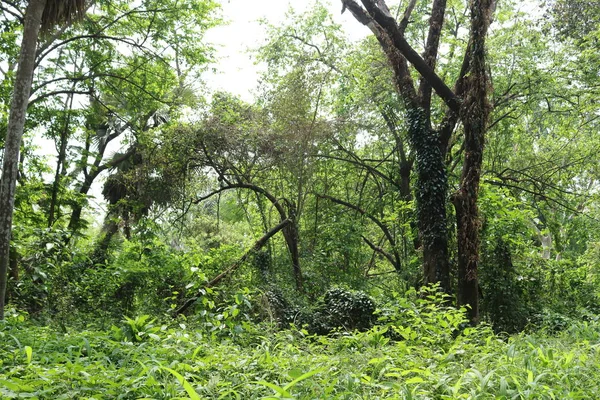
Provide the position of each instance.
(215, 281)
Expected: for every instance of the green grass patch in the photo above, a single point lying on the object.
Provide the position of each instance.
(147, 360)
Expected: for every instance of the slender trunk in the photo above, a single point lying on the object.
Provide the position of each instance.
(474, 114)
(290, 233)
(109, 230)
(62, 153)
(89, 178)
(13, 270)
(14, 134)
(74, 221)
(405, 172)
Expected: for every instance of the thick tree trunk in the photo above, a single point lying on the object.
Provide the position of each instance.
(14, 135)
(430, 193)
(474, 114)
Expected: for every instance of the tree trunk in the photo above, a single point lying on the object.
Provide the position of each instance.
(60, 161)
(110, 228)
(14, 134)
(290, 233)
(13, 271)
(430, 193)
(474, 114)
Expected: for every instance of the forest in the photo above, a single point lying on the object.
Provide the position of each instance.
(407, 213)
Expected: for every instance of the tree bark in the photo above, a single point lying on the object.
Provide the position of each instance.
(431, 192)
(432, 184)
(14, 134)
(474, 114)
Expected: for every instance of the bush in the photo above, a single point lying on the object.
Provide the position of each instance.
(342, 309)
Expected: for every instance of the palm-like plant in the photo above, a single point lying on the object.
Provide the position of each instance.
(40, 15)
(58, 12)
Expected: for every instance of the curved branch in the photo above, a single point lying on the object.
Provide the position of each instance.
(257, 189)
(215, 281)
(377, 222)
(381, 251)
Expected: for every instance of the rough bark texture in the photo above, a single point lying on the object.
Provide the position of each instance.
(431, 193)
(474, 114)
(16, 124)
(290, 233)
(432, 185)
(436, 21)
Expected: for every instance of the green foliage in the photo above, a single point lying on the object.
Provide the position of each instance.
(224, 314)
(327, 122)
(136, 329)
(174, 359)
(505, 292)
(342, 309)
(422, 316)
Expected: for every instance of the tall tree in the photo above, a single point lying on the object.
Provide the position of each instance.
(466, 102)
(40, 14)
(474, 114)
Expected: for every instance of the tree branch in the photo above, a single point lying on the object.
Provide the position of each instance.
(377, 222)
(215, 281)
(406, 18)
(432, 45)
(381, 251)
(388, 24)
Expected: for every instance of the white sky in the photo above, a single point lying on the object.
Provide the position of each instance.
(237, 72)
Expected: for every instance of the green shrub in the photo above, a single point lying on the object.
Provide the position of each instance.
(342, 309)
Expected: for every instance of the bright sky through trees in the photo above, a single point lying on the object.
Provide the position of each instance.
(243, 32)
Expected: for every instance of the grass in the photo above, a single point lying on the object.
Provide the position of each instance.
(180, 361)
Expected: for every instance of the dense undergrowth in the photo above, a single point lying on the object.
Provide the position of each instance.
(419, 349)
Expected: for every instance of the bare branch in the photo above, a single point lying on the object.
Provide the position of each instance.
(406, 18)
